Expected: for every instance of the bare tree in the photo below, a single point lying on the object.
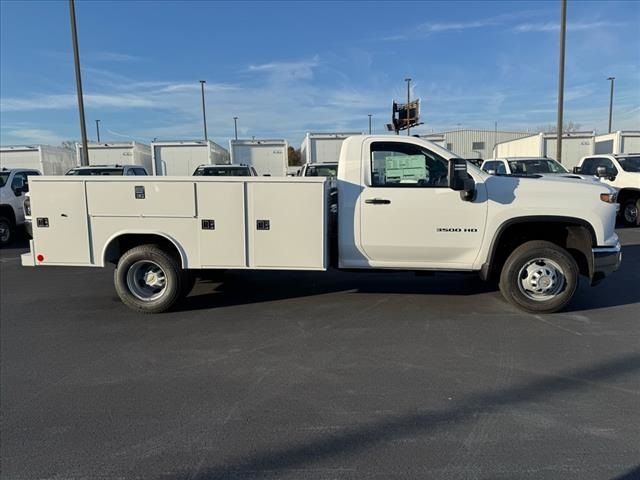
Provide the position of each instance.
(294, 157)
(69, 145)
(569, 127)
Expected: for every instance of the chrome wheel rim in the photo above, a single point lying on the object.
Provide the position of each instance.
(541, 279)
(630, 213)
(146, 280)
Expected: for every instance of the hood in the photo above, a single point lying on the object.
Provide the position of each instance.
(549, 189)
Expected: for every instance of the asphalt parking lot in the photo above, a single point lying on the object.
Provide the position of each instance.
(317, 376)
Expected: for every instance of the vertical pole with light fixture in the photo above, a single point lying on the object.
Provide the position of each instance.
(408, 80)
(84, 157)
(611, 79)
(235, 126)
(563, 34)
(98, 130)
(204, 111)
(369, 124)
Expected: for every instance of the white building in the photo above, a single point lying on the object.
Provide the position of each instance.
(622, 141)
(472, 143)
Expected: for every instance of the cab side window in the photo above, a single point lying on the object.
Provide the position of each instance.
(497, 166)
(397, 164)
(590, 165)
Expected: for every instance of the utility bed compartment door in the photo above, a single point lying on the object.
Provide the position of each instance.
(60, 227)
(287, 225)
(141, 199)
(221, 224)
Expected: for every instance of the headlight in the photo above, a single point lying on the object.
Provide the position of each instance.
(608, 197)
(27, 206)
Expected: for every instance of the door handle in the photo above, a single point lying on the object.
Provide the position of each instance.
(378, 201)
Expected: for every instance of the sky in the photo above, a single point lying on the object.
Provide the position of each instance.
(285, 68)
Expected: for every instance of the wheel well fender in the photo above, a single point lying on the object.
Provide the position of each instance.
(120, 242)
(574, 234)
(625, 194)
(7, 211)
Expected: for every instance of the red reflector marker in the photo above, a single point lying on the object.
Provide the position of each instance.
(40, 257)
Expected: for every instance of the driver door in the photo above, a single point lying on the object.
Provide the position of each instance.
(409, 217)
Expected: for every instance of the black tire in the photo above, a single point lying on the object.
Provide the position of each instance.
(630, 212)
(8, 229)
(535, 292)
(130, 288)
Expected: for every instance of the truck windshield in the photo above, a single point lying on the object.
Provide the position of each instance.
(96, 171)
(4, 176)
(543, 165)
(222, 172)
(630, 164)
(322, 171)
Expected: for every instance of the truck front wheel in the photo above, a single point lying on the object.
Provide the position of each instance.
(149, 280)
(6, 231)
(630, 212)
(539, 277)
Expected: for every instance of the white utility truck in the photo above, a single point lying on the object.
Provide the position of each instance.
(267, 157)
(46, 159)
(119, 153)
(13, 186)
(528, 166)
(182, 157)
(622, 172)
(398, 203)
(322, 147)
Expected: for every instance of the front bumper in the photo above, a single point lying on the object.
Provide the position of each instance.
(606, 260)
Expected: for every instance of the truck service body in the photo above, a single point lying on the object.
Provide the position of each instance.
(385, 210)
(267, 157)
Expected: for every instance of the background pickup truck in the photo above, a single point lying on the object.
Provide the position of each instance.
(621, 172)
(13, 185)
(402, 203)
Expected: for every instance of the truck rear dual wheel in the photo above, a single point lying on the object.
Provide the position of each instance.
(539, 277)
(149, 280)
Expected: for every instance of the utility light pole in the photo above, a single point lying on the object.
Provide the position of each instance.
(98, 129)
(563, 34)
(612, 80)
(235, 126)
(84, 157)
(369, 124)
(408, 80)
(204, 111)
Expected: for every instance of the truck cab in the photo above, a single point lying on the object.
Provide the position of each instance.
(621, 171)
(225, 171)
(117, 170)
(527, 166)
(319, 170)
(14, 183)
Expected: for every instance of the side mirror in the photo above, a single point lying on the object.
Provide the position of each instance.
(491, 171)
(577, 170)
(604, 172)
(460, 180)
